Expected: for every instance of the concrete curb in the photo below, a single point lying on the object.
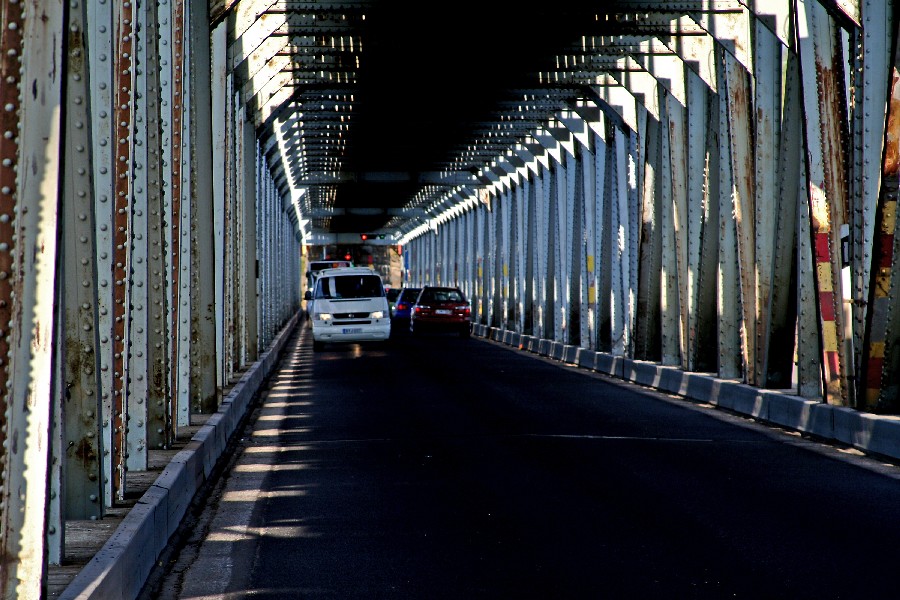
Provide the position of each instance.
(121, 567)
(867, 432)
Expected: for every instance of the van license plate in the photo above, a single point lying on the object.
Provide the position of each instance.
(351, 330)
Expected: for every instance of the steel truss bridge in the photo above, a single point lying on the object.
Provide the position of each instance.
(708, 185)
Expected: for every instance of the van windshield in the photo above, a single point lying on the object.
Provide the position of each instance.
(349, 286)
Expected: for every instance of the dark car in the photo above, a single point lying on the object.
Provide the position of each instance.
(441, 309)
(392, 294)
(402, 305)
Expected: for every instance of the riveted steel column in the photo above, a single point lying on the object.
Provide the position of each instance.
(604, 181)
(782, 306)
(177, 210)
(524, 245)
(248, 192)
(738, 94)
(206, 355)
(575, 191)
(506, 275)
(547, 235)
(159, 427)
(702, 226)
(494, 265)
(767, 103)
(30, 168)
(881, 382)
(82, 496)
(824, 103)
(677, 127)
(731, 361)
(631, 213)
(809, 356)
(619, 252)
(480, 233)
(123, 173)
(100, 17)
(670, 298)
(137, 289)
(647, 328)
(588, 267)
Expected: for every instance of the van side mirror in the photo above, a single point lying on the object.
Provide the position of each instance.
(307, 295)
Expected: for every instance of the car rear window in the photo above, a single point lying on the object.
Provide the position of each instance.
(443, 296)
(349, 286)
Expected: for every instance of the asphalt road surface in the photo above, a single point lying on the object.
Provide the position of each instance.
(443, 468)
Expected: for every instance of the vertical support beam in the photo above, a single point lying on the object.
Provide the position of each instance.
(101, 68)
(618, 236)
(81, 495)
(739, 100)
(251, 260)
(123, 180)
(179, 408)
(701, 250)
(506, 241)
(29, 201)
(137, 290)
(676, 119)
(648, 306)
(782, 308)
(670, 324)
(824, 104)
(206, 377)
(731, 357)
(768, 103)
(881, 383)
(575, 236)
(588, 272)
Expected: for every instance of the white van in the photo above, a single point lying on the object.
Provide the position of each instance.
(349, 305)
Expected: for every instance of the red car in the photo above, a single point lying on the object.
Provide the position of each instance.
(441, 309)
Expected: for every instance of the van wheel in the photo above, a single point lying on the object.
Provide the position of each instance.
(318, 346)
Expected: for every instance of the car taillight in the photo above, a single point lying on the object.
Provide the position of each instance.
(401, 306)
(467, 309)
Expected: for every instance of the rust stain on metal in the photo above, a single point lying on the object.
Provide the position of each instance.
(123, 111)
(892, 138)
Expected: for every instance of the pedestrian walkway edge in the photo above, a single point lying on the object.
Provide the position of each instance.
(121, 567)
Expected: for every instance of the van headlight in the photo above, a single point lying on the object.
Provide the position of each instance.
(378, 314)
(324, 316)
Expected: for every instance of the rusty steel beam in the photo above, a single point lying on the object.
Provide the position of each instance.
(123, 111)
(33, 38)
(822, 78)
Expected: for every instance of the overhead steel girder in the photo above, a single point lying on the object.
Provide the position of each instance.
(284, 61)
(651, 55)
(328, 96)
(246, 36)
(243, 13)
(247, 65)
(627, 72)
(727, 20)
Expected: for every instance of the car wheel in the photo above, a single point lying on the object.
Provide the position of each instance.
(318, 346)
(464, 331)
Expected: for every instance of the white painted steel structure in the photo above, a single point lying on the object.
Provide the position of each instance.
(720, 195)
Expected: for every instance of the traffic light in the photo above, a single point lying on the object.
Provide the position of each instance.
(364, 236)
(371, 236)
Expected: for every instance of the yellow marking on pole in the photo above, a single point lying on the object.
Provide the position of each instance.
(876, 350)
(829, 336)
(823, 274)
